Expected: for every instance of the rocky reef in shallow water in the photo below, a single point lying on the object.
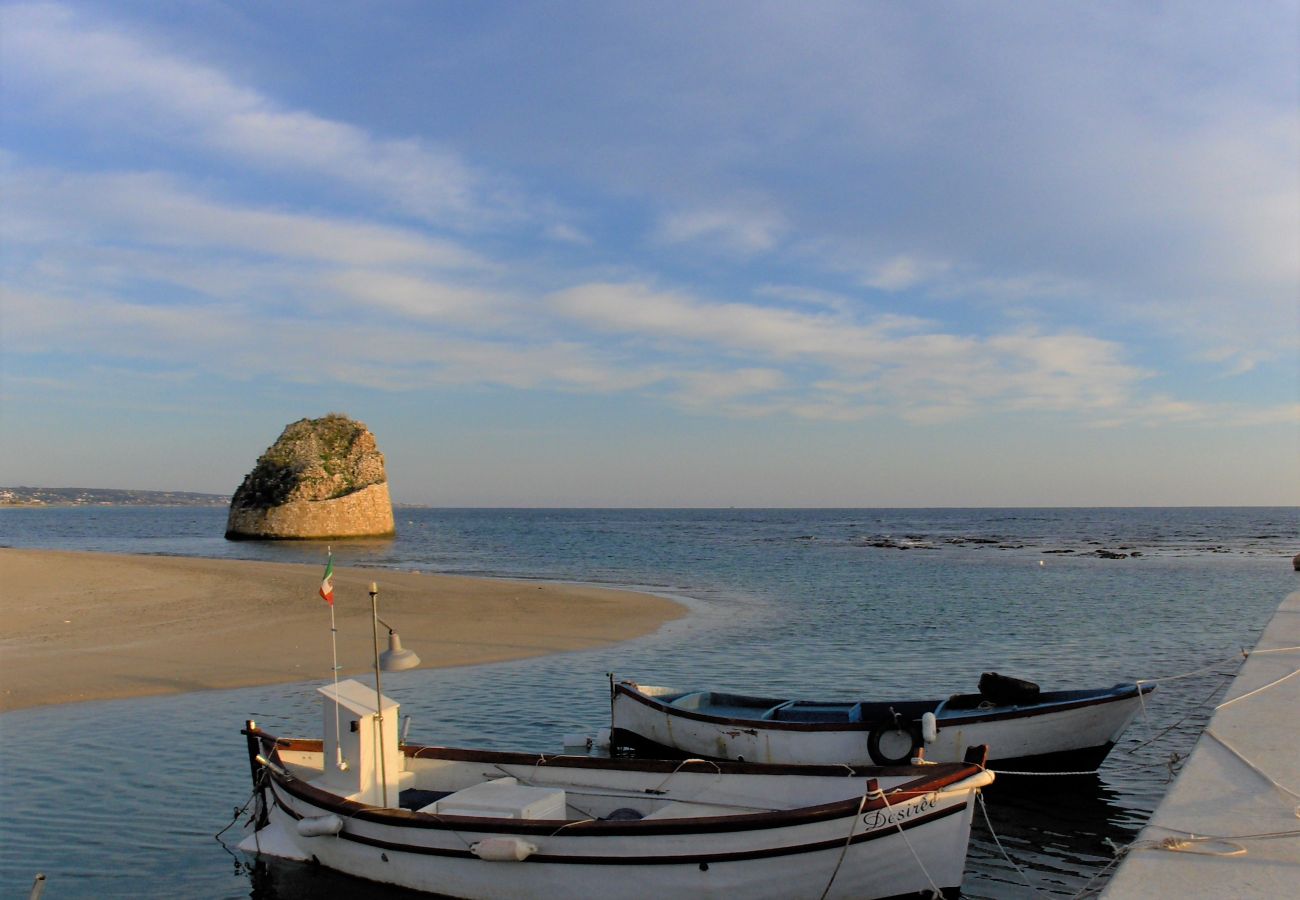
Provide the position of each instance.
(322, 478)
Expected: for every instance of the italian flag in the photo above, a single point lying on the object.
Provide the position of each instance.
(327, 583)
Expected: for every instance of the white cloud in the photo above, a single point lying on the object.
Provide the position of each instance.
(777, 333)
(42, 206)
(902, 272)
(568, 234)
(420, 298)
(927, 376)
(744, 232)
(707, 390)
(132, 86)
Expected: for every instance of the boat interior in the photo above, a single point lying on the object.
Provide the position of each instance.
(483, 788)
(738, 706)
(996, 692)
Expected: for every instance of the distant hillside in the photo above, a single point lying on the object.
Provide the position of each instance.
(32, 496)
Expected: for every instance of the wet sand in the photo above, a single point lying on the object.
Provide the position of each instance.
(96, 626)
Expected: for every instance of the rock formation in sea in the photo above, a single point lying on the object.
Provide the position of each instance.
(322, 478)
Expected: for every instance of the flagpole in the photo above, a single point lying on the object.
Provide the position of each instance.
(334, 647)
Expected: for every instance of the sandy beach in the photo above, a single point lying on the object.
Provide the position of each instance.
(96, 626)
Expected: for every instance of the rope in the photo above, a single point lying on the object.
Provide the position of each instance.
(1181, 841)
(985, 810)
(238, 812)
(853, 826)
(1000, 772)
(1241, 756)
(1256, 690)
(938, 892)
(1190, 837)
(1193, 712)
(1243, 654)
(1230, 846)
(659, 787)
(242, 864)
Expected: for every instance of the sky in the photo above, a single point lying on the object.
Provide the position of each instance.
(659, 254)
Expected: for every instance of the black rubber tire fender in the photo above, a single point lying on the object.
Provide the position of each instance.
(887, 726)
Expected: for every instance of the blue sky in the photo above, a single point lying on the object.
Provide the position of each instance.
(653, 254)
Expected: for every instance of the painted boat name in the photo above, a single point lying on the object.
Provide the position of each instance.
(893, 816)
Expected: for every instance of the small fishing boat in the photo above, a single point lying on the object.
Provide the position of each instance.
(1024, 728)
(478, 823)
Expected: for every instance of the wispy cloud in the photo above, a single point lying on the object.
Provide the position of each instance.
(903, 272)
(157, 209)
(740, 231)
(131, 86)
(865, 366)
(859, 212)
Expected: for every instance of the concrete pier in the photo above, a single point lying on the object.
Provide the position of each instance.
(1230, 824)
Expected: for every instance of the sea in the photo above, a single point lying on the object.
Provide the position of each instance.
(139, 798)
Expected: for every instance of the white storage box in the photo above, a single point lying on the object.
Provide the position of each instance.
(504, 798)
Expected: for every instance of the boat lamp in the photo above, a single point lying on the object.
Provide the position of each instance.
(396, 658)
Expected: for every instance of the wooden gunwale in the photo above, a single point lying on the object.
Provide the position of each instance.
(945, 775)
(958, 716)
(498, 826)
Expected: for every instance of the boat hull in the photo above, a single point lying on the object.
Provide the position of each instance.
(862, 849)
(1066, 735)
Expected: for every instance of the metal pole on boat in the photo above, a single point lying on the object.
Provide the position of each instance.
(379, 692)
(334, 647)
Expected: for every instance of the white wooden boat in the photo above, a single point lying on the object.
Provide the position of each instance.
(476, 823)
(1024, 729)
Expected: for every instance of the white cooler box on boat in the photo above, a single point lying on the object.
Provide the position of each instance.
(502, 798)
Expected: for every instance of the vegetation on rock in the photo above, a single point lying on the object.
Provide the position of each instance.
(313, 459)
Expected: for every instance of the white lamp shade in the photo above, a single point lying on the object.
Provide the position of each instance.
(396, 657)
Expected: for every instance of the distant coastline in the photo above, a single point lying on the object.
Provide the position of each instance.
(73, 496)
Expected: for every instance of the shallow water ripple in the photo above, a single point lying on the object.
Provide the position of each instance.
(122, 799)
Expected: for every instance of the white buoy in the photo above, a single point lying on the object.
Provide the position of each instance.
(929, 727)
(503, 849)
(320, 826)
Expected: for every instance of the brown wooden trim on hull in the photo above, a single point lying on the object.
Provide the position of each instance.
(960, 717)
(944, 775)
(744, 822)
(692, 859)
(941, 774)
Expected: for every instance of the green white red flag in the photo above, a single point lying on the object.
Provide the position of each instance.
(327, 583)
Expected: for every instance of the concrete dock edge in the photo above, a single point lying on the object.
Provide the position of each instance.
(1230, 824)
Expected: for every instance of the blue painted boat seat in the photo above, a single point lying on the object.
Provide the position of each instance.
(693, 701)
(809, 711)
(775, 712)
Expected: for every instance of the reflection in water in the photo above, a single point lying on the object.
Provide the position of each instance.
(1059, 832)
(276, 879)
(785, 603)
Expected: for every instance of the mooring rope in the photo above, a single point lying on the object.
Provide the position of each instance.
(1257, 690)
(1179, 841)
(853, 826)
(1195, 709)
(880, 794)
(938, 892)
(987, 821)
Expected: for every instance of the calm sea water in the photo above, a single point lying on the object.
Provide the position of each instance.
(123, 798)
